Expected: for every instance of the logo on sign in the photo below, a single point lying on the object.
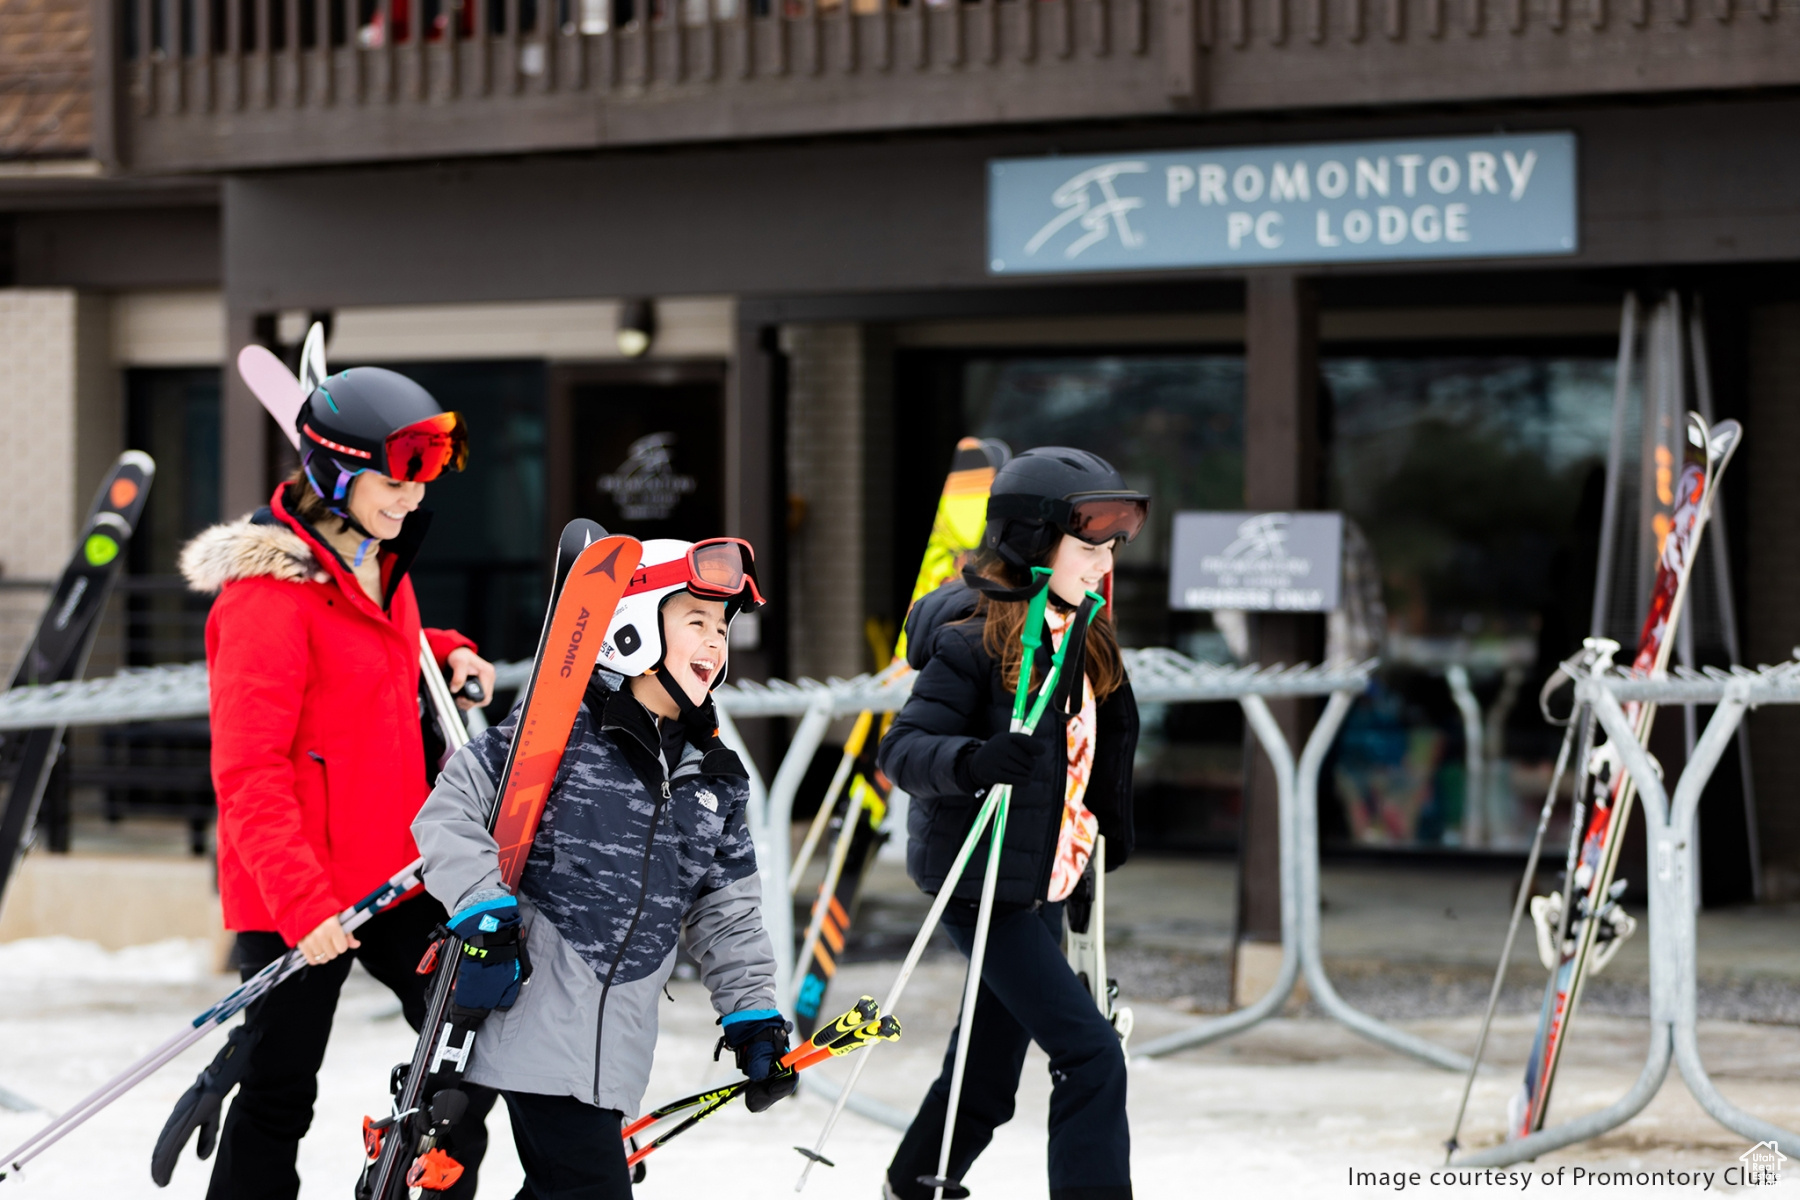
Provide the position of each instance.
(1076, 198)
(1256, 570)
(1262, 562)
(646, 486)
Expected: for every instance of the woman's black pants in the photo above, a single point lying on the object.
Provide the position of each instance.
(273, 1107)
(1028, 994)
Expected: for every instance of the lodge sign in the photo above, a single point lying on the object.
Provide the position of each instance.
(1505, 195)
(1260, 562)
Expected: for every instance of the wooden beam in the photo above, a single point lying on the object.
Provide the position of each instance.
(1281, 472)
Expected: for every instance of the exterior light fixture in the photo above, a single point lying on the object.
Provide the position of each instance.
(637, 327)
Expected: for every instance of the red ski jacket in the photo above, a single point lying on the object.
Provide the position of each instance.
(317, 758)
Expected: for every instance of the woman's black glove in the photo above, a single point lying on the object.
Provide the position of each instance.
(1010, 758)
(199, 1106)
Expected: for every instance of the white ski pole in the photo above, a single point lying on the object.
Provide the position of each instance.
(991, 808)
(938, 904)
(238, 999)
(984, 917)
(1578, 728)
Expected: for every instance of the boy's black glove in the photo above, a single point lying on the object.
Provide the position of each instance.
(198, 1108)
(494, 963)
(760, 1043)
(1010, 758)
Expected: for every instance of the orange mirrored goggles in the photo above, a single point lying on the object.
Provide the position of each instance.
(1102, 519)
(420, 452)
(716, 569)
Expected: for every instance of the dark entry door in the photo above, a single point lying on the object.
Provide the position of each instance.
(640, 448)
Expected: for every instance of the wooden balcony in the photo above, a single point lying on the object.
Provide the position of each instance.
(242, 84)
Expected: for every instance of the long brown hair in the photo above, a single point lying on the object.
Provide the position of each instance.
(1004, 620)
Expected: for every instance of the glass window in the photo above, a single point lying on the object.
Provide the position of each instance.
(1477, 480)
(482, 569)
(173, 416)
(1172, 423)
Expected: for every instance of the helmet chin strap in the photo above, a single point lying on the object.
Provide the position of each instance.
(339, 504)
(686, 709)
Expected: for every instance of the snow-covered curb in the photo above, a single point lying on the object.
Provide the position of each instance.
(34, 962)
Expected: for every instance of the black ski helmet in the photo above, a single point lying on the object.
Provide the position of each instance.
(372, 419)
(1052, 489)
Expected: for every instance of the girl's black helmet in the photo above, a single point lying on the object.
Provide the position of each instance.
(1058, 489)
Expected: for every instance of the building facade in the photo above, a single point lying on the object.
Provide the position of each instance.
(806, 198)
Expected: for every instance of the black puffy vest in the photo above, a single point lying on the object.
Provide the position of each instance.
(958, 701)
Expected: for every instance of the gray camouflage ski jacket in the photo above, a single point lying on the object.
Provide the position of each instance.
(629, 856)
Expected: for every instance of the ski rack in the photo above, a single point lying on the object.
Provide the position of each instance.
(135, 694)
(1158, 675)
(1671, 869)
(1168, 677)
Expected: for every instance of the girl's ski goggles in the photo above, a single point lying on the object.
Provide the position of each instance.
(1095, 518)
(416, 453)
(715, 569)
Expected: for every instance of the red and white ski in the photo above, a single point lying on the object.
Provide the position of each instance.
(592, 573)
(1595, 905)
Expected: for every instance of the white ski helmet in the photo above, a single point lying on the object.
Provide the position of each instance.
(714, 569)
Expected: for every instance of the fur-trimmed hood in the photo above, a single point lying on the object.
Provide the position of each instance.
(248, 549)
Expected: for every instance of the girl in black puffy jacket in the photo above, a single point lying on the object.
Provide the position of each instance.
(1071, 779)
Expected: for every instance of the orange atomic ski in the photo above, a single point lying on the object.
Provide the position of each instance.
(592, 571)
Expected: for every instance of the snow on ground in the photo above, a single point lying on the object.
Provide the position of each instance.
(1286, 1110)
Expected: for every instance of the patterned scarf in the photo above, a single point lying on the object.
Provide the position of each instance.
(1075, 841)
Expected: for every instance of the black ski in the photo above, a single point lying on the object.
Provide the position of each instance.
(65, 635)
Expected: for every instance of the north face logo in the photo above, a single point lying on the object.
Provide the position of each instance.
(708, 800)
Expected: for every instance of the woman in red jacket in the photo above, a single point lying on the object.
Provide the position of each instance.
(318, 763)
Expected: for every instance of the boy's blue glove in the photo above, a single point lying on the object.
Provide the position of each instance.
(493, 963)
(759, 1038)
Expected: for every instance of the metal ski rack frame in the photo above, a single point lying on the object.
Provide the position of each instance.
(1671, 869)
(1169, 677)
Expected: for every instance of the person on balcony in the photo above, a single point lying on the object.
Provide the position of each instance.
(318, 763)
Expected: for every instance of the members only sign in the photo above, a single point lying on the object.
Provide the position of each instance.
(1263, 562)
(1474, 197)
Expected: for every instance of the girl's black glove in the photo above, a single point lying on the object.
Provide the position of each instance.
(1010, 758)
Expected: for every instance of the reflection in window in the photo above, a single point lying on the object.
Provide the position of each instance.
(1173, 424)
(1477, 480)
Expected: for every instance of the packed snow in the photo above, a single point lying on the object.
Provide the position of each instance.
(1290, 1109)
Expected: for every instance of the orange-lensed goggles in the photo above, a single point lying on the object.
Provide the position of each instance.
(1094, 518)
(716, 569)
(1104, 519)
(420, 452)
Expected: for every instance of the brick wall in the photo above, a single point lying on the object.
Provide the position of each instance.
(1772, 607)
(825, 448)
(37, 416)
(46, 82)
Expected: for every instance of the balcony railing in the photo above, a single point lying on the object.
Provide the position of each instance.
(230, 84)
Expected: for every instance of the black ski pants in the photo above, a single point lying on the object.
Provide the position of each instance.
(570, 1150)
(273, 1107)
(1028, 994)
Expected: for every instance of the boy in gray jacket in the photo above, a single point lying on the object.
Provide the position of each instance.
(643, 840)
